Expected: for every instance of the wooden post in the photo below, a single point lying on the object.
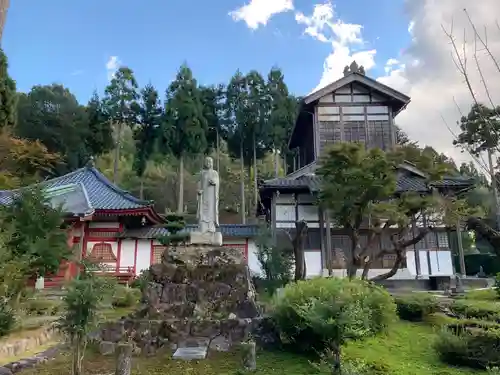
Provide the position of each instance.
(321, 217)
(273, 216)
(460, 250)
(123, 358)
(415, 250)
(329, 250)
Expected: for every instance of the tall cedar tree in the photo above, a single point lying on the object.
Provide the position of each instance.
(359, 190)
(258, 116)
(146, 132)
(185, 124)
(99, 139)
(213, 100)
(38, 233)
(236, 116)
(120, 104)
(283, 113)
(8, 96)
(52, 115)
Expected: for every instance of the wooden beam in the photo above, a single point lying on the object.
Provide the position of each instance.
(273, 216)
(322, 235)
(328, 249)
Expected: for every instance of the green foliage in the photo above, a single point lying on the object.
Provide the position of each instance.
(35, 233)
(185, 126)
(120, 100)
(481, 295)
(174, 225)
(52, 115)
(8, 95)
(99, 138)
(275, 261)
(416, 307)
(7, 318)
(477, 309)
(318, 313)
(479, 129)
(476, 348)
(147, 130)
(497, 284)
(39, 306)
(125, 297)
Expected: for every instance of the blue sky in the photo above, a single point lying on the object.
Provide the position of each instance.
(70, 41)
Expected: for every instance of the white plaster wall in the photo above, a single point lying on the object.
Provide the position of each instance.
(127, 253)
(143, 255)
(253, 262)
(96, 224)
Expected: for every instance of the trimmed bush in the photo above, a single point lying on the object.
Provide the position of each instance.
(481, 295)
(474, 347)
(416, 306)
(7, 319)
(125, 297)
(476, 309)
(310, 313)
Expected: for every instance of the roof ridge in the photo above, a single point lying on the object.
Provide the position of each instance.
(124, 193)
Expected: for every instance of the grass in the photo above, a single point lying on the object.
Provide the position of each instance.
(268, 363)
(405, 350)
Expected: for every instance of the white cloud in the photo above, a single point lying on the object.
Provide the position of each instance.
(323, 26)
(259, 12)
(429, 76)
(112, 66)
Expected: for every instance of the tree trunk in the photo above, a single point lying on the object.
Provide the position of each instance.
(141, 188)
(180, 203)
(218, 148)
(78, 353)
(117, 152)
(400, 256)
(353, 264)
(276, 163)
(124, 358)
(298, 250)
(242, 186)
(255, 176)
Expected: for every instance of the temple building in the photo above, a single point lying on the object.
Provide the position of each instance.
(117, 229)
(353, 108)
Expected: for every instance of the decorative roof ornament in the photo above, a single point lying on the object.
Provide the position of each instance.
(354, 68)
(91, 162)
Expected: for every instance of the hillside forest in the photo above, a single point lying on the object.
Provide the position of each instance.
(151, 141)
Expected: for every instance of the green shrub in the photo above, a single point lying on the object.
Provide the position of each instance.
(496, 287)
(476, 309)
(41, 306)
(311, 314)
(481, 295)
(7, 319)
(439, 319)
(125, 297)
(416, 306)
(473, 347)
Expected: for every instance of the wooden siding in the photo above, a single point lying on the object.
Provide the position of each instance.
(353, 114)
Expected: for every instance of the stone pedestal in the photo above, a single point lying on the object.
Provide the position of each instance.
(206, 238)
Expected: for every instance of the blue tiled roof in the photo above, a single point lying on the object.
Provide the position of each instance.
(227, 230)
(72, 198)
(102, 194)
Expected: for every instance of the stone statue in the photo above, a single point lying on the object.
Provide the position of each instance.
(208, 198)
(208, 206)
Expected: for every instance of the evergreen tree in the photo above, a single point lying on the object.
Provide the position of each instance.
(8, 96)
(99, 137)
(146, 132)
(185, 124)
(120, 105)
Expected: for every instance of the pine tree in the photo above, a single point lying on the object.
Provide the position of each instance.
(8, 96)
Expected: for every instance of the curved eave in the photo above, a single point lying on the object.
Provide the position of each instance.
(149, 212)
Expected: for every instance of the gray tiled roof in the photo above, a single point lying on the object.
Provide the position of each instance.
(102, 194)
(227, 230)
(406, 182)
(72, 198)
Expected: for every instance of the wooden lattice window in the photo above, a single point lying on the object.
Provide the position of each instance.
(110, 234)
(103, 252)
(157, 253)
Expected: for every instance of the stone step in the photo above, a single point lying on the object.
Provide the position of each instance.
(190, 353)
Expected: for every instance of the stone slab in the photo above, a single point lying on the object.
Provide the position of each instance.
(207, 238)
(189, 354)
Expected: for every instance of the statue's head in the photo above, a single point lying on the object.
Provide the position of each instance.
(209, 163)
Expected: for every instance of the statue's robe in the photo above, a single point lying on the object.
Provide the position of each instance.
(208, 201)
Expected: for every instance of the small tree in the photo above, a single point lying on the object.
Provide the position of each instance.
(275, 261)
(359, 189)
(36, 233)
(174, 225)
(82, 301)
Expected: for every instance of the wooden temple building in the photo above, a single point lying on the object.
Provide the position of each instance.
(354, 108)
